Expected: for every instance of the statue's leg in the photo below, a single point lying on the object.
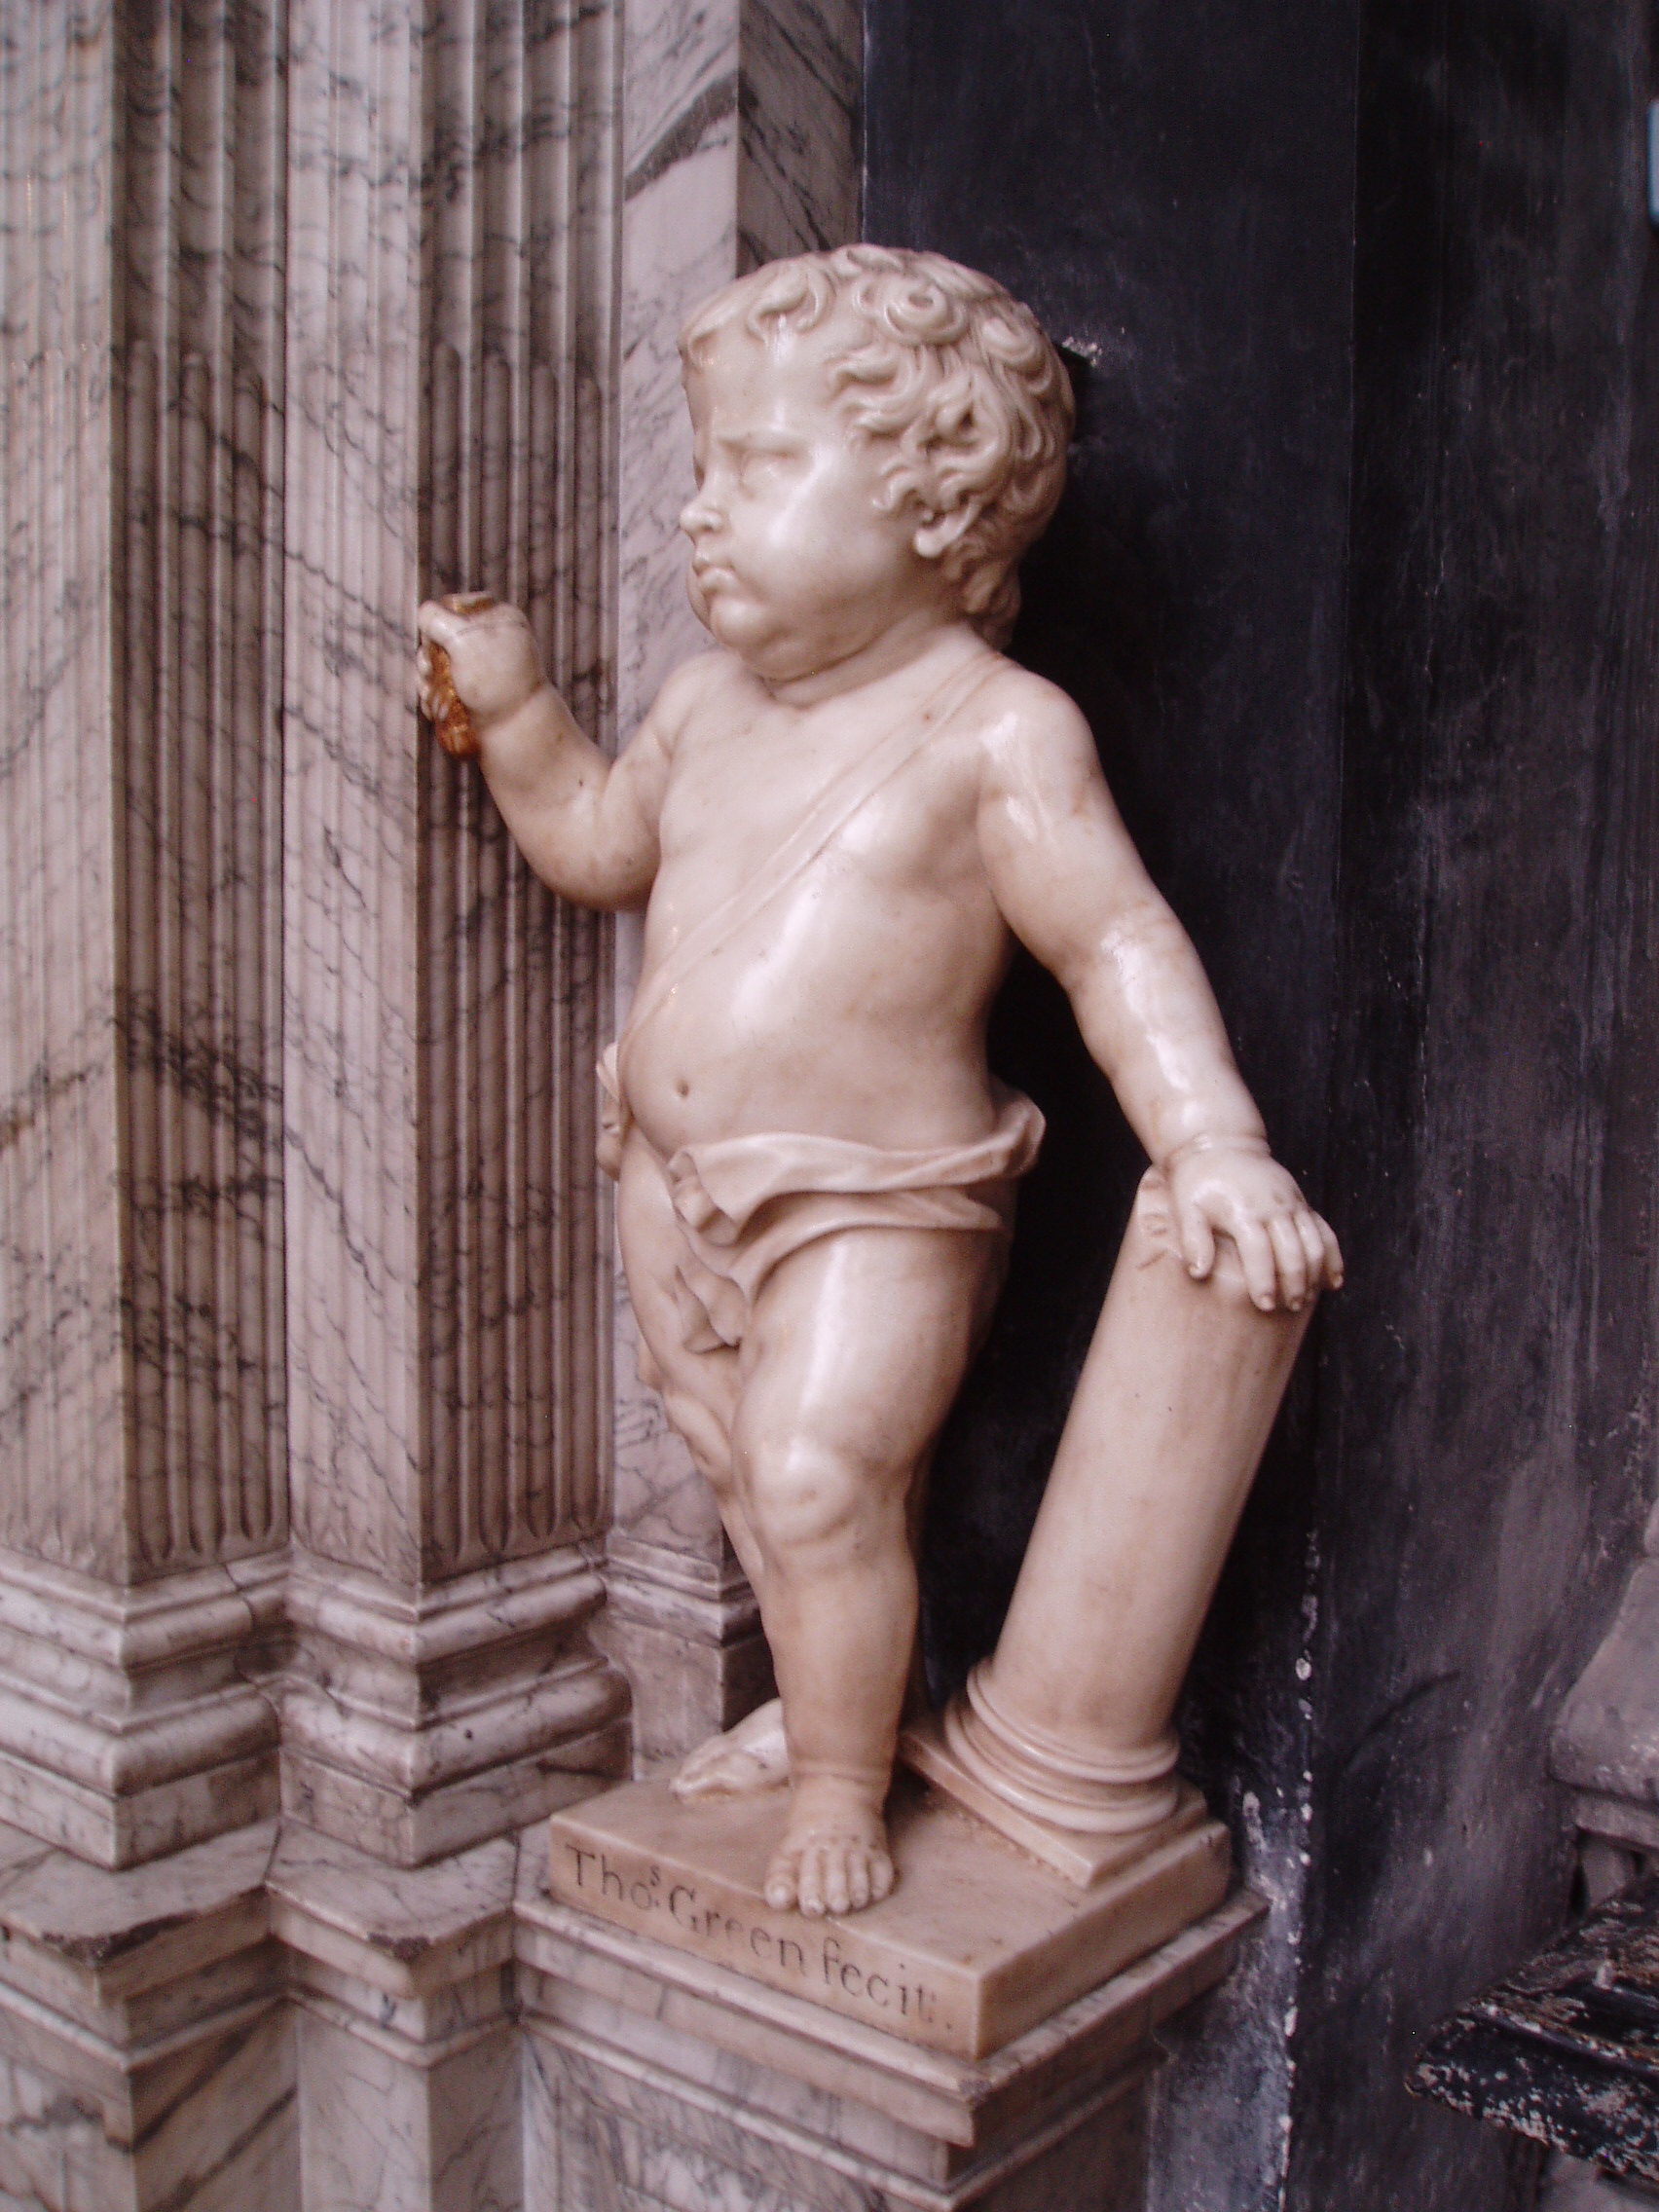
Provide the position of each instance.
(858, 1344)
(699, 1388)
(1071, 1717)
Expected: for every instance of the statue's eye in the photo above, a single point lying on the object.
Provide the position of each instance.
(762, 462)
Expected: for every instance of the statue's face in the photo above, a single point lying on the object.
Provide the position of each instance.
(794, 566)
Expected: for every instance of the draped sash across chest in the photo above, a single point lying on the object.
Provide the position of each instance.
(745, 1204)
(824, 820)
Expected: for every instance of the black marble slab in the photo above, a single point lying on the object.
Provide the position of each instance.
(1565, 2050)
(1358, 579)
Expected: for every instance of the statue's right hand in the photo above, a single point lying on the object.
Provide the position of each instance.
(493, 664)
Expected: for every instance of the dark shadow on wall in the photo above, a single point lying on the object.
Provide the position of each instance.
(1357, 579)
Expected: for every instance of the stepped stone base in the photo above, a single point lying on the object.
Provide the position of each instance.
(272, 2022)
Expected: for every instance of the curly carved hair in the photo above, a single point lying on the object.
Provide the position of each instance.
(953, 372)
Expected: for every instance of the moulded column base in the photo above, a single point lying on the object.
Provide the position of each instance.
(139, 1721)
(1079, 1856)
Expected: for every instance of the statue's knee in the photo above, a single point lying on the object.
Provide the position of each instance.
(803, 1497)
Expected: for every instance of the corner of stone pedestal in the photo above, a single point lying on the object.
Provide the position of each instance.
(1606, 1739)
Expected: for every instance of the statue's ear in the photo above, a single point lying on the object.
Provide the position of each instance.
(936, 534)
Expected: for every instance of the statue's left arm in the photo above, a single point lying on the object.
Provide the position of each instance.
(1073, 889)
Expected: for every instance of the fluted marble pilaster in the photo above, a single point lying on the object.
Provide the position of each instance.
(142, 1487)
(450, 348)
(741, 143)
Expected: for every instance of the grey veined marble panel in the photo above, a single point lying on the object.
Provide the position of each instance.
(450, 357)
(142, 1455)
(141, 362)
(451, 342)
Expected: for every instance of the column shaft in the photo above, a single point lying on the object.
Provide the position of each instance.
(142, 1485)
(450, 346)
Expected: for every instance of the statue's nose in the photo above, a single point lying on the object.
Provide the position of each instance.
(698, 515)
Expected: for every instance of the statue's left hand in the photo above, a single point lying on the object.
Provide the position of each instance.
(1240, 1191)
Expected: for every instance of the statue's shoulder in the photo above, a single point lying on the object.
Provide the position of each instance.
(1021, 712)
(689, 690)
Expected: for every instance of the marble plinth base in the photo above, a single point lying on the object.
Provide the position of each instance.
(407, 2055)
(662, 2083)
(687, 1636)
(415, 1724)
(976, 1943)
(147, 2059)
(273, 2021)
(135, 1722)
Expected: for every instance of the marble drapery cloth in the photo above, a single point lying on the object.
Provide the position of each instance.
(744, 1205)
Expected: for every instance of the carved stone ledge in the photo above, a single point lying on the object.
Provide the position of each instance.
(137, 1721)
(685, 1630)
(1562, 2050)
(416, 1723)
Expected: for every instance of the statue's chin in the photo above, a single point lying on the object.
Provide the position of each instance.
(756, 643)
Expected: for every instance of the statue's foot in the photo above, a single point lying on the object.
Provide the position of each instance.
(833, 1856)
(751, 1756)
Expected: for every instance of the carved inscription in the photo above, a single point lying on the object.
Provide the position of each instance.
(820, 1961)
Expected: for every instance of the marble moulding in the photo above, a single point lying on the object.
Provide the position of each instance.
(834, 822)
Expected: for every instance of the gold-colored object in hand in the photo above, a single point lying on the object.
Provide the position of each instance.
(452, 725)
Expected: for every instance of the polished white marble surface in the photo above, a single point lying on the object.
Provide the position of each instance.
(388, 2123)
(226, 2139)
(141, 1393)
(140, 1185)
(146, 2053)
(443, 1236)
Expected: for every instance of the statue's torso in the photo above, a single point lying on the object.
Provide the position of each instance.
(853, 1001)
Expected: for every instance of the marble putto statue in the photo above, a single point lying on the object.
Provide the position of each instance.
(837, 820)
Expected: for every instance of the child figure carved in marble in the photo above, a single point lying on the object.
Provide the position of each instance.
(838, 821)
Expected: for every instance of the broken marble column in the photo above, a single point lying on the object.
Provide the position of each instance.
(143, 1505)
(1069, 1725)
(450, 335)
(740, 144)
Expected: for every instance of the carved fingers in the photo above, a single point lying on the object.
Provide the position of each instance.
(477, 662)
(1286, 1252)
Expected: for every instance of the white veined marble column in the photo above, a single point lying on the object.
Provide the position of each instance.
(142, 1478)
(451, 342)
(740, 143)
